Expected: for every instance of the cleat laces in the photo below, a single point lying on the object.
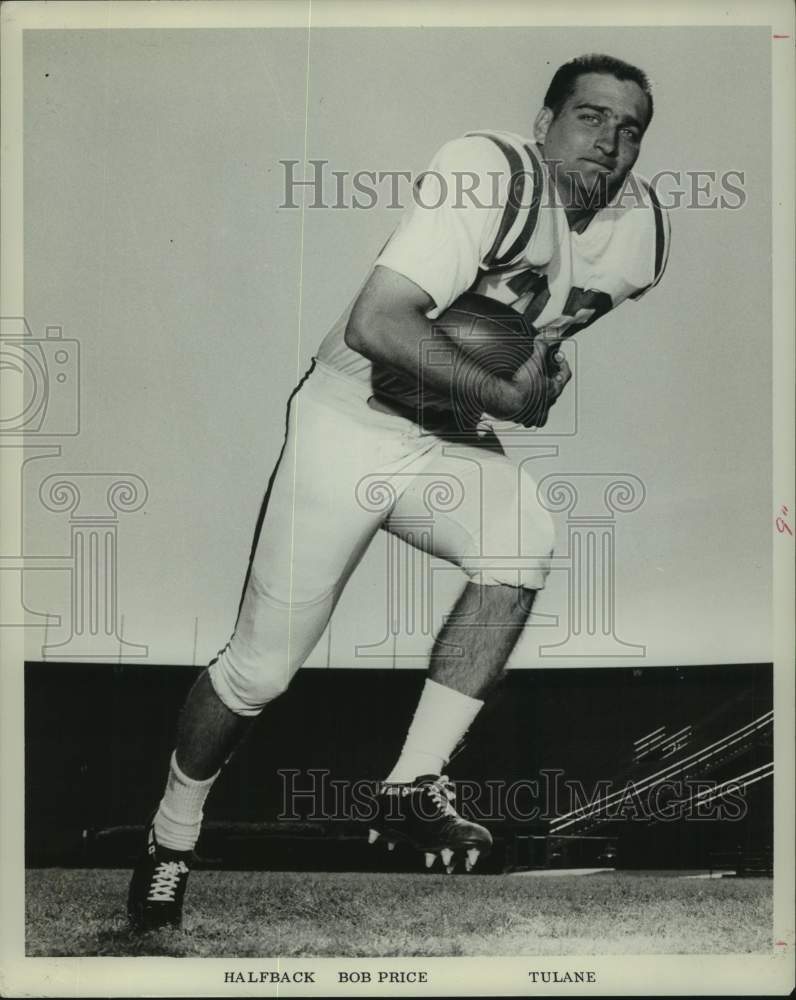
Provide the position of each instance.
(165, 880)
(443, 794)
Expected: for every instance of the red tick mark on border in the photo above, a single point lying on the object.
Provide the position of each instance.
(780, 36)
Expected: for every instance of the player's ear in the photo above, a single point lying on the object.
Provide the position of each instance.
(542, 124)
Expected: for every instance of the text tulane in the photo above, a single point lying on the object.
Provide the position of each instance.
(554, 976)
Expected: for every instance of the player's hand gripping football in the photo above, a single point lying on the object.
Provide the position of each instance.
(539, 382)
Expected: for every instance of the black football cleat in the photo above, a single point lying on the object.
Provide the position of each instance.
(422, 814)
(158, 886)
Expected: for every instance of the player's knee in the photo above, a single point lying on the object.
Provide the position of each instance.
(539, 537)
(272, 640)
(526, 533)
(244, 683)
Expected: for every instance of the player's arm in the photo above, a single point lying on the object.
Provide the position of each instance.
(432, 258)
(388, 325)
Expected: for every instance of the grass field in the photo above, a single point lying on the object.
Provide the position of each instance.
(81, 912)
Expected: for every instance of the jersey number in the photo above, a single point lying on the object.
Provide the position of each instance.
(596, 303)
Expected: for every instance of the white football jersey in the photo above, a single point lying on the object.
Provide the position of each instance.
(486, 218)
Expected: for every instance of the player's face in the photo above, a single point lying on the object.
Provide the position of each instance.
(595, 138)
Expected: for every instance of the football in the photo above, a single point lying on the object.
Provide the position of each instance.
(492, 333)
(500, 340)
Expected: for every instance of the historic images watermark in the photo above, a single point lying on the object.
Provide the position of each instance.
(549, 797)
(323, 187)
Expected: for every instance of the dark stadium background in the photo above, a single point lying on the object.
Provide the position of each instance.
(98, 739)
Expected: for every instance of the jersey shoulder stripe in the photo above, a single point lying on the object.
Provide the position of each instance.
(532, 212)
(521, 212)
(662, 235)
(516, 191)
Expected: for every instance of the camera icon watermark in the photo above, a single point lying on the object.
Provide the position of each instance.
(40, 381)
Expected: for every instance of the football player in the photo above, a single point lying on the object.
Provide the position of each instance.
(557, 245)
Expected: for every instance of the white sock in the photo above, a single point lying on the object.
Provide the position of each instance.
(179, 816)
(442, 717)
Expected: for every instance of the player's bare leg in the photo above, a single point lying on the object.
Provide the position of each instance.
(207, 734)
(208, 731)
(474, 644)
(468, 658)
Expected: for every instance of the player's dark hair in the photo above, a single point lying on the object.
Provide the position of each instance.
(562, 85)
